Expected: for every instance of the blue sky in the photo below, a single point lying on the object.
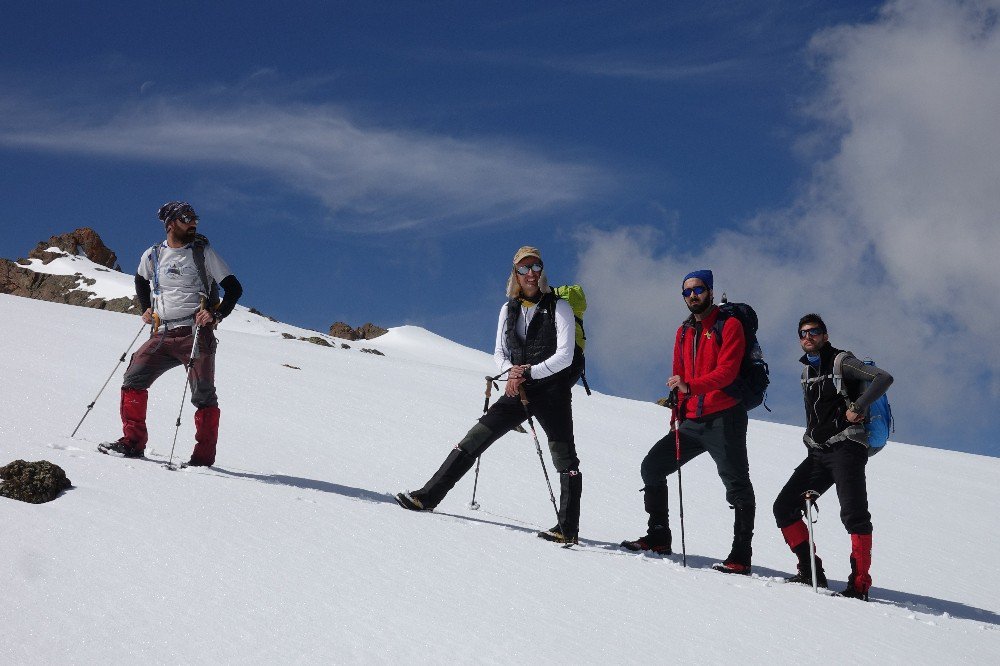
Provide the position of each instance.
(382, 161)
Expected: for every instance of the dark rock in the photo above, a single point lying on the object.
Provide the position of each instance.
(288, 336)
(316, 340)
(293, 367)
(82, 241)
(18, 281)
(369, 331)
(372, 351)
(341, 330)
(261, 314)
(344, 345)
(34, 482)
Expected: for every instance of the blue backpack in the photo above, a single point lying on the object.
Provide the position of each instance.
(878, 423)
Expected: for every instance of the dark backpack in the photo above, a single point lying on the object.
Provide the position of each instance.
(750, 387)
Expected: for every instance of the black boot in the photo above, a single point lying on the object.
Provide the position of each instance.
(570, 489)
(658, 538)
(452, 469)
(654, 500)
(738, 561)
(804, 572)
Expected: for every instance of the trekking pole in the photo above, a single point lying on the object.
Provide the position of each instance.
(810, 497)
(541, 459)
(490, 385)
(680, 481)
(120, 361)
(187, 380)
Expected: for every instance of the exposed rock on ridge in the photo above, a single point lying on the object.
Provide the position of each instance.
(17, 280)
(367, 332)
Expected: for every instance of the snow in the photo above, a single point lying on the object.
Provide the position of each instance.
(291, 550)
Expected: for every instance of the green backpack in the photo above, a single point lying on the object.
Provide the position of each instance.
(573, 294)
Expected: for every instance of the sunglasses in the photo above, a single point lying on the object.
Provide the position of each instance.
(698, 291)
(524, 270)
(186, 219)
(811, 332)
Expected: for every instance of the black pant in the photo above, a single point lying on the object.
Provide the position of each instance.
(843, 465)
(724, 436)
(552, 406)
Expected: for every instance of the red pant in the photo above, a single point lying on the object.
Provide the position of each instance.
(160, 353)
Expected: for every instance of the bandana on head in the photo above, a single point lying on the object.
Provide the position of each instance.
(171, 210)
(704, 275)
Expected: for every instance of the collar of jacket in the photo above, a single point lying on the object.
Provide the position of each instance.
(826, 352)
(708, 321)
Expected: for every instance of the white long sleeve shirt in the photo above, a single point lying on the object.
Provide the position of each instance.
(565, 339)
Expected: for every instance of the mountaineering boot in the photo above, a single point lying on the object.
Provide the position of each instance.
(738, 561)
(122, 448)
(206, 435)
(570, 489)
(860, 581)
(133, 413)
(452, 469)
(656, 541)
(804, 571)
(658, 537)
(408, 501)
(797, 537)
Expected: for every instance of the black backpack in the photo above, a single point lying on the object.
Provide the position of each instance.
(750, 387)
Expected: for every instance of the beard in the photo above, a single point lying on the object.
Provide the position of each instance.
(700, 308)
(189, 234)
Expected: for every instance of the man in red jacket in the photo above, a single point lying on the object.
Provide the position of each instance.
(708, 350)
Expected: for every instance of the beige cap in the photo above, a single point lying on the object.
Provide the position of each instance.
(526, 251)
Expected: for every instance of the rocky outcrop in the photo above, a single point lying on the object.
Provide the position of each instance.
(34, 482)
(70, 289)
(366, 332)
(18, 280)
(82, 241)
(341, 330)
(370, 331)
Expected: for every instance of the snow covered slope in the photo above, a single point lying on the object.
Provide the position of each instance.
(290, 550)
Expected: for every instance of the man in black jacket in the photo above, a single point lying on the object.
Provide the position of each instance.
(536, 346)
(837, 389)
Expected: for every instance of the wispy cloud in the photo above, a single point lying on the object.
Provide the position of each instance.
(370, 179)
(894, 240)
(650, 71)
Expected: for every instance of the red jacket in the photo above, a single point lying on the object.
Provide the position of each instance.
(708, 367)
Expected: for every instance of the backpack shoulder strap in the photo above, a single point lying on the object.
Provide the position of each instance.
(838, 372)
(199, 261)
(154, 259)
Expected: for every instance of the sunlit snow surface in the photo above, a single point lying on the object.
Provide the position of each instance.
(291, 550)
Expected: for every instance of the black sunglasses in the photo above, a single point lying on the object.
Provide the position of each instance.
(186, 219)
(811, 332)
(523, 270)
(699, 290)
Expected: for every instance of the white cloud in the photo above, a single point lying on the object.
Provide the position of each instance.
(895, 239)
(370, 179)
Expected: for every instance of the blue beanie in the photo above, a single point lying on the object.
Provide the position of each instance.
(704, 275)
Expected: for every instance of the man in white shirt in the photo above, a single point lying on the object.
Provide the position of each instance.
(177, 286)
